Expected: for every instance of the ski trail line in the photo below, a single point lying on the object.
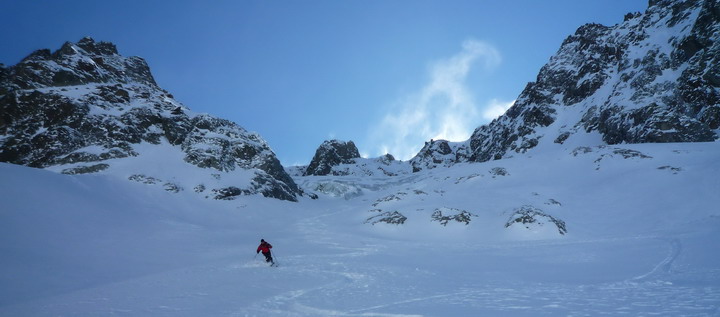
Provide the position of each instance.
(412, 300)
(664, 265)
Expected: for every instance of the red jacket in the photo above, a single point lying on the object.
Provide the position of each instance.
(264, 247)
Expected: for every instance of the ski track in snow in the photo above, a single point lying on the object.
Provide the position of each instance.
(637, 297)
(642, 295)
(346, 284)
(663, 268)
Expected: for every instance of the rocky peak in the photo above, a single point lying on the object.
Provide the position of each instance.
(97, 48)
(86, 46)
(332, 153)
(84, 62)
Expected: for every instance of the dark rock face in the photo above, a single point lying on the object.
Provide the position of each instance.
(653, 78)
(229, 193)
(332, 153)
(86, 169)
(445, 215)
(389, 217)
(498, 171)
(85, 103)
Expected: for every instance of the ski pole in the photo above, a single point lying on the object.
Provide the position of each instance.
(274, 255)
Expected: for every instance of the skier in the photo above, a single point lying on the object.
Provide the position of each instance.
(265, 248)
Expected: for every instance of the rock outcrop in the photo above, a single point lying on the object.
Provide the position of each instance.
(439, 153)
(445, 215)
(531, 217)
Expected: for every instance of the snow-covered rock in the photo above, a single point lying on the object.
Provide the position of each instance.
(444, 215)
(531, 217)
(389, 217)
(84, 105)
(439, 153)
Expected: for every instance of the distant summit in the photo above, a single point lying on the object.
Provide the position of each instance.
(86, 109)
(332, 153)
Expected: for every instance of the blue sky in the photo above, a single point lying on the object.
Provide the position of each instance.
(388, 75)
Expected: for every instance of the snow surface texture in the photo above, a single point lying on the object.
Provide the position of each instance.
(642, 230)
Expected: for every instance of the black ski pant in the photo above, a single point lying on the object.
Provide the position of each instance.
(268, 257)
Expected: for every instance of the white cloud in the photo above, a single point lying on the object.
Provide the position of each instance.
(443, 108)
(496, 108)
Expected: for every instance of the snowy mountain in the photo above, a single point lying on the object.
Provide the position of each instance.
(653, 78)
(86, 109)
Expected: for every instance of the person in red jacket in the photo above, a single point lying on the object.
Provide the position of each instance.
(265, 248)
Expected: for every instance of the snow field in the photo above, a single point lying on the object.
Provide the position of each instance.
(641, 241)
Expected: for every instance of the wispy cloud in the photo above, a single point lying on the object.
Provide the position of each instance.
(496, 108)
(443, 108)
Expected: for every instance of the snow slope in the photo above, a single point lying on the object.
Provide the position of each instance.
(642, 222)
